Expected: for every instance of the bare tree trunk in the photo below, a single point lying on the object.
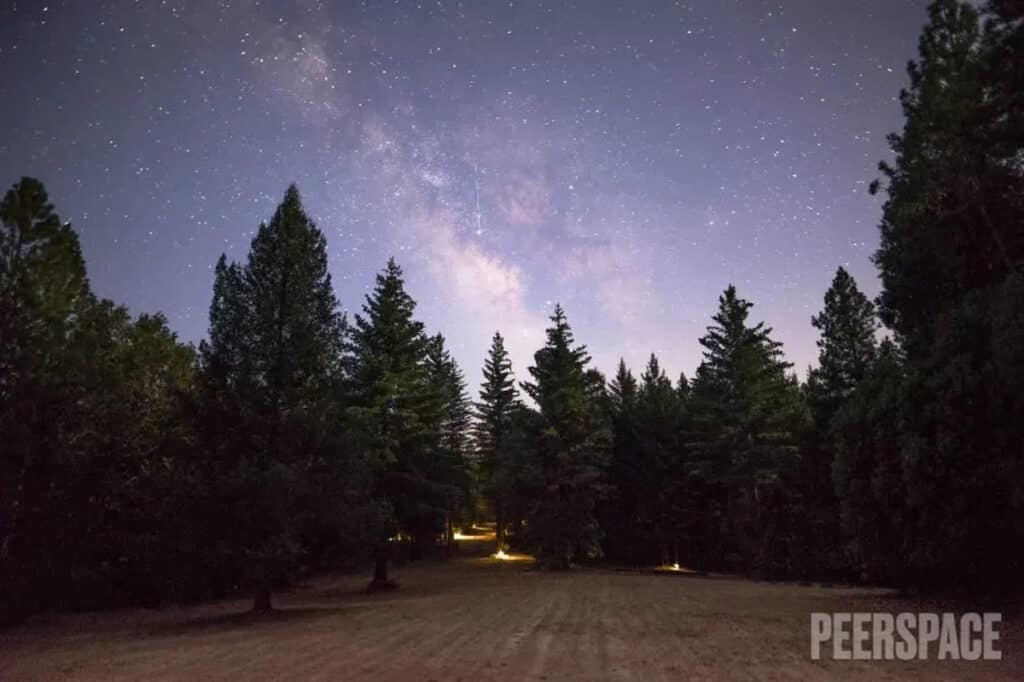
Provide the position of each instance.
(499, 527)
(15, 513)
(380, 569)
(261, 602)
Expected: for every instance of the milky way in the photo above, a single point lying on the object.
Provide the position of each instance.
(627, 159)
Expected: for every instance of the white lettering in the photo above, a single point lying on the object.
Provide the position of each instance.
(821, 631)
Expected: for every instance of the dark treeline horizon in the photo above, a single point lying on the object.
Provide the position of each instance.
(140, 470)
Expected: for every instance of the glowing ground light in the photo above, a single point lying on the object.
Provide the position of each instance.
(675, 567)
(475, 534)
(500, 555)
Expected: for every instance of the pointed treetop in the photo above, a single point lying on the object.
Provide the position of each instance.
(683, 387)
(623, 388)
(623, 374)
(653, 371)
(498, 398)
(729, 338)
(846, 347)
(560, 334)
(290, 210)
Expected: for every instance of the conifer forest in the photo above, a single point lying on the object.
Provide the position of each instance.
(322, 425)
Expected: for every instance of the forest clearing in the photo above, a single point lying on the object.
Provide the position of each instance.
(475, 618)
(606, 340)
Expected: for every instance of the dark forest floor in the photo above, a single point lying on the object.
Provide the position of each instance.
(480, 619)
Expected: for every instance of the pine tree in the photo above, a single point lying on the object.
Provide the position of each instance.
(521, 477)
(846, 353)
(399, 411)
(682, 500)
(43, 291)
(950, 224)
(43, 286)
(683, 387)
(658, 412)
(867, 470)
(846, 349)
(572, 447)
(618, 513)
(646, 420)
(950, 263)
(494, 417)
(447, 375)
(452, 461)
(276, 339)
(745, 412)
(623, 389)
(90, 411)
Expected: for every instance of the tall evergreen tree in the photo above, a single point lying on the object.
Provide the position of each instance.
(43, 287)
(951, 221)
(623, 389)
(521, 474)
(90, 411)
(745, 412)
(683, 387)
(276, 338)
(571, 445)
(399, 411)
(452, 460)
(950, 262)
(446, 374)
(43, 293)
(645, 419)
(659, 454)
(618, 513)
(867, 470)
(846, 349)
(494, 420)
(846, 353)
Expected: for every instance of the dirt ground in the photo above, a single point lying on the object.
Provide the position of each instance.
(480, 619)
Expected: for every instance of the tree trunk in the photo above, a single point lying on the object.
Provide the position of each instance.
(380, 568)
(15, 511)
(261, 600)
(499, 527)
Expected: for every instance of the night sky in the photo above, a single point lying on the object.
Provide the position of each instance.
(628, 159)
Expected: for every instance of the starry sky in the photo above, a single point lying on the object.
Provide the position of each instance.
(628, 159)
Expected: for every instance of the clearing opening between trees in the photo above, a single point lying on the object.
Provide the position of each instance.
(476, 618)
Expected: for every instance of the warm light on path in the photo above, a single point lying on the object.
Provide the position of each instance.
(673, 568)
(475, 534)
(502, 556)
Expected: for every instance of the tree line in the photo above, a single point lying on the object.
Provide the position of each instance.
(137, 469)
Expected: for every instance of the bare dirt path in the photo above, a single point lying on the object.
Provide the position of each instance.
(478, 619)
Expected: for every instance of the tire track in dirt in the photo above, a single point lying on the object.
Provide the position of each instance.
(476, 620)
(537, 644)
